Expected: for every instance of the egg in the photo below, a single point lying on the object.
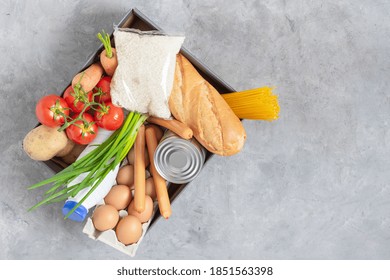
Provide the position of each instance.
(130, 157)
(105, 217)
(119, 197)
(125, 175)
(129, 230)
(150, 190)
(145, 215)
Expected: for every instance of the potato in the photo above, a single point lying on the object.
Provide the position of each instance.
(43, 142)
(67, 150)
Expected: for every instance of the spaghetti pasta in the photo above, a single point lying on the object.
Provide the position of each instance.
(255, 104)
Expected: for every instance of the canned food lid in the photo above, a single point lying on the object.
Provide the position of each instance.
(178, 160)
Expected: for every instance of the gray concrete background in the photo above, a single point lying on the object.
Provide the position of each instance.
(313, 185)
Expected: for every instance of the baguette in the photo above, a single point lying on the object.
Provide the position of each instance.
(198, 104)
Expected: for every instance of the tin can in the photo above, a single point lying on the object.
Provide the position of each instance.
(178, 160)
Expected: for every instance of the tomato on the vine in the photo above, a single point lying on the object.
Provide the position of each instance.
(104, 86)
(82, 131)
(77, 99)
(52, 110)
(109, 116)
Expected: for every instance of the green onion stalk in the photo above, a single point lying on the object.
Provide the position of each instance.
(97, 163)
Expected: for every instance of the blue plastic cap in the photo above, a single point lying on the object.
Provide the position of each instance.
(79, 213)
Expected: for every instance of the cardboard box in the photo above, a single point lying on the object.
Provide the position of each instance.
(135, 19)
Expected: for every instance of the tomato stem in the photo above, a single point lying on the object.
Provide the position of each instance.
(81, 96)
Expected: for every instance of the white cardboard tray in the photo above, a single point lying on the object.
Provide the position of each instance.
(109, 237)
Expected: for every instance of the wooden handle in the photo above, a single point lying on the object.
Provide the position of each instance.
(139, 171)
(159, 182)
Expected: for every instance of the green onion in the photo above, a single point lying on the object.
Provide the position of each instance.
(97, 163)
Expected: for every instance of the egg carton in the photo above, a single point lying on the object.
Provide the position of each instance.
(109, 237)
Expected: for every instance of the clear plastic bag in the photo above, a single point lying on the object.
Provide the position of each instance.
(144, 77)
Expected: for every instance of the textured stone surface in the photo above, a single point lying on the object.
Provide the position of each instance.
(313, 185)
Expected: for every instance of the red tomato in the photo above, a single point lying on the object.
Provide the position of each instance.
(104, 86)
(77, 99)
(109, 117)
(51, 110)
(82, 131)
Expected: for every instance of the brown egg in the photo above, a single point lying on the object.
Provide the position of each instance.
(130, 157)
(105, 217)
(125, 175)
(150, 189)
(119, 197)
(129, 230)
(145, 215)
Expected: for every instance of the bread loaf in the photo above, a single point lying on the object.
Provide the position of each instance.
(198, 104)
